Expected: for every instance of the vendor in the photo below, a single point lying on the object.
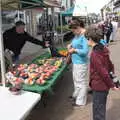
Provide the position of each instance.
(16, 37)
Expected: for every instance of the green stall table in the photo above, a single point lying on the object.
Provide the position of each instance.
(50, 82)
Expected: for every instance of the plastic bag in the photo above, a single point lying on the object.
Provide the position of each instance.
(68, 59)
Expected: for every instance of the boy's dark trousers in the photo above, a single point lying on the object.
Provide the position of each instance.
(99, 105)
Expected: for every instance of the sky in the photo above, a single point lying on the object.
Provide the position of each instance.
(93, 6)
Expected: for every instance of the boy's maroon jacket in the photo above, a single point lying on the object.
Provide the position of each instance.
(100, 67)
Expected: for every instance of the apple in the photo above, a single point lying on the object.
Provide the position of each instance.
(29, 81)
(40, 81)
(20, 80)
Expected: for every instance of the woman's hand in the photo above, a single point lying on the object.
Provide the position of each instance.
(72, 50)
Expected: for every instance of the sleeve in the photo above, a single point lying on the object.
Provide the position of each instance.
(34, 40)
(102, 71)
(111, 66)
(111, 27)
(85, 49)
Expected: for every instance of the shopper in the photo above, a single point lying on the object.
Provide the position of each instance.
(100, 68)
(115, 30)
(16, 37)
(108, 29)
(79, 51)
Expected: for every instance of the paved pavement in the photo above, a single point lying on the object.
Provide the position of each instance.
(59, 107)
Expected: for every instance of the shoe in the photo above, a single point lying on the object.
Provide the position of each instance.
(72, 98)
(112, 41)
(90, 92)
(77, 106)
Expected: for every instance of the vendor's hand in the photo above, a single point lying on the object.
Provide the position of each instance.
(47, 44)
(71, 50)
(115, 88)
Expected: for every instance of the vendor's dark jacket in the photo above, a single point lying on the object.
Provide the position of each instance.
(100, 67)
(15, 42)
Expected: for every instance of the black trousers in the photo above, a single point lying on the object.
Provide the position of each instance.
(108, 37)
(99, 105)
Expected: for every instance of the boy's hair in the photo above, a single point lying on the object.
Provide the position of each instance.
(18, 23)
(76, 22)
(94, 33)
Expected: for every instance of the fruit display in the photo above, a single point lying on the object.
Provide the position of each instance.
(46, 61)
(31, 74)
(58, 63)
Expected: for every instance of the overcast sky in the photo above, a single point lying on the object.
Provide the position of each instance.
(93, 5)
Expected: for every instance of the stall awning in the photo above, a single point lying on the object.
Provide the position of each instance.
(68, 12)
(20, 4)
(25, 4)
(52, 3)
(75, 11)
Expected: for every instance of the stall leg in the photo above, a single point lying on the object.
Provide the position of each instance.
(46, 95)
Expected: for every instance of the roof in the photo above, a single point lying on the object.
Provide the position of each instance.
(20, 4)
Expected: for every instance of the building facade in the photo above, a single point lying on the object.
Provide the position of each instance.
(117, 8)
(111, 10)
(108, 10)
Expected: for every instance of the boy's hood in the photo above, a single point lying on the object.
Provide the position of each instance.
(102, 50)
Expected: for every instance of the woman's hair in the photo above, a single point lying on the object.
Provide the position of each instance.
(94, 33)
(76, 22)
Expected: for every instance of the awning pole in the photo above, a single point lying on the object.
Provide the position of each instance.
(61, 23)
(2, 52)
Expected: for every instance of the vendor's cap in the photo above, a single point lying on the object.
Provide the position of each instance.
(18, 23)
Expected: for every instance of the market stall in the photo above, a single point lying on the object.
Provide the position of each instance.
(17, 102)
(13, 5)
(15, 107)
(41, 74)
(20, 5)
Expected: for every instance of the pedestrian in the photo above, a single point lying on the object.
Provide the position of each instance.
(100, 69)
(16, 37)
(108, 29)
(115, 28)
(101, 26)
(79, 51)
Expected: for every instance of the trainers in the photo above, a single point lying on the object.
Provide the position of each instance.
(77, 106)
(90, 92)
